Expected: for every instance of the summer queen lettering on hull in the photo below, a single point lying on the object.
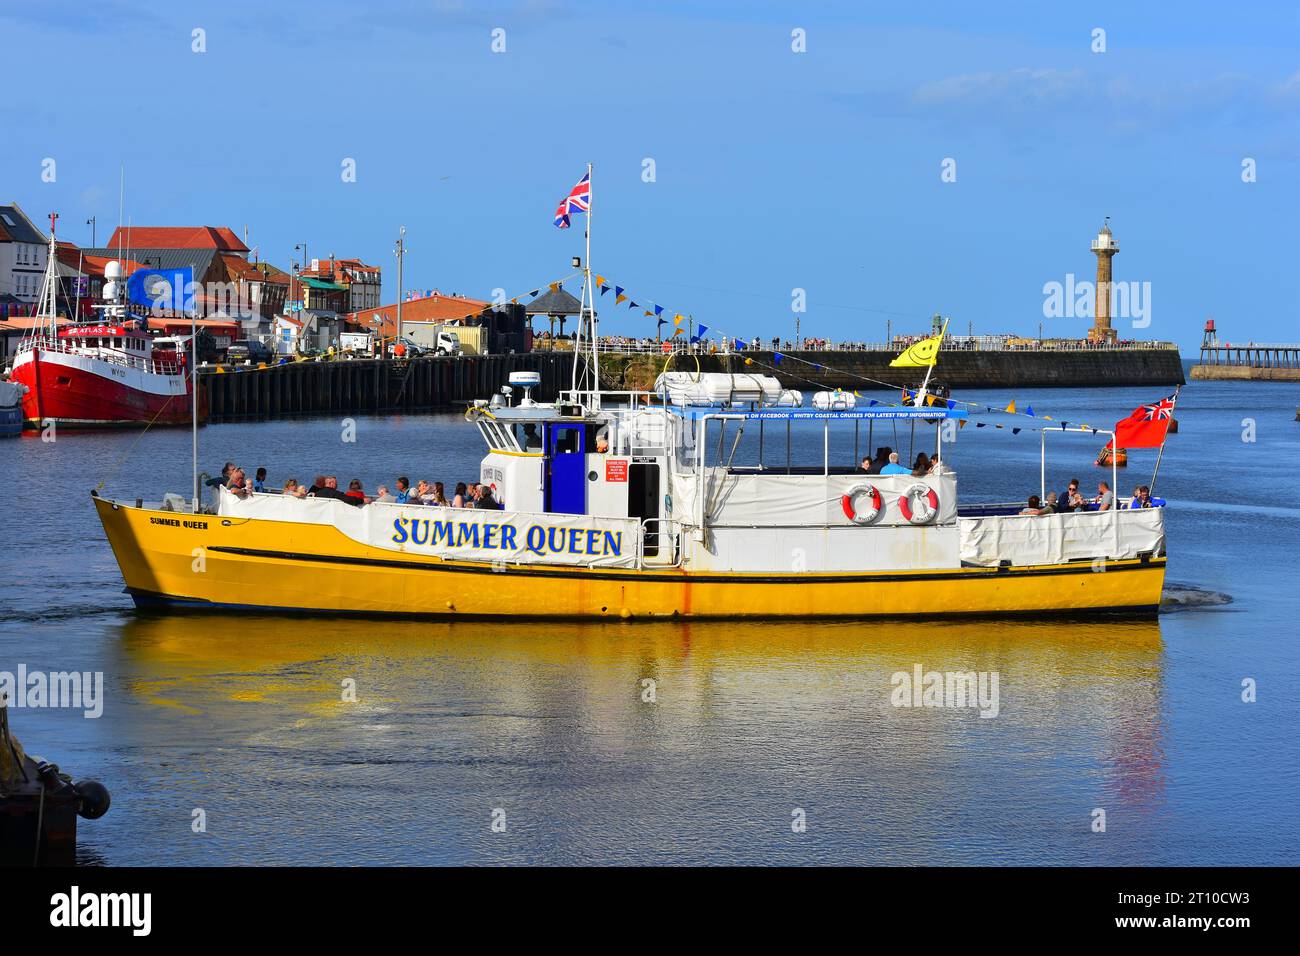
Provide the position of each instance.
(458, 534)
(525, 539)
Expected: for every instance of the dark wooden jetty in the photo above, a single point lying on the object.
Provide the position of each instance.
(371, 386)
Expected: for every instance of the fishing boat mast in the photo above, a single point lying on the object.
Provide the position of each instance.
(49, 306)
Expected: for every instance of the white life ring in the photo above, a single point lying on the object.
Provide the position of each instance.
(849, 503)
(919, 504)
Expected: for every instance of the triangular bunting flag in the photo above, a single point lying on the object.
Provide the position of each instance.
(961, 424)
(658, 309)
(1029, 410)
(1015, 431)
(1011, 409)
(555, 287)
(533, 294)
(633, 305)
(604, 289)
(600, 280)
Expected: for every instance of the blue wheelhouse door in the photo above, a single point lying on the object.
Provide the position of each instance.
(566, 470)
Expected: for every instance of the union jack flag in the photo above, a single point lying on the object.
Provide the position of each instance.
(1159, 411)
(578, 200)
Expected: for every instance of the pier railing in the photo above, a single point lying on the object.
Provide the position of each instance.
(1252, 355)
(628, 346)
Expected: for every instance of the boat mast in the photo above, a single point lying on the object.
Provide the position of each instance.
(49, 306)
(587, 317)
(194, 391)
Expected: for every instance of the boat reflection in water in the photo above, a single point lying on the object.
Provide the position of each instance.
(562, 729)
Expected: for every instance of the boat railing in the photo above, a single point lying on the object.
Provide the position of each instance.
(659, 544)
(633, 399)
(47, 344)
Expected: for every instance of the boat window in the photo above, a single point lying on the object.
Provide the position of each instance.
(528, 437)
(564, 441)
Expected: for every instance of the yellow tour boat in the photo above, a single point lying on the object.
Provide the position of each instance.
(659, 504)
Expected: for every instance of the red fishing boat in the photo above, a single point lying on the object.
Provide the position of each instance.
(109, 373)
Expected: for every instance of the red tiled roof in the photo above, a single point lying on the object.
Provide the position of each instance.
(341, 268)
(432, 308)
(240, 268)
(177, 237)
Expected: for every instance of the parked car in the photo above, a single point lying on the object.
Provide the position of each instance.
(250, 350)
(413, 349)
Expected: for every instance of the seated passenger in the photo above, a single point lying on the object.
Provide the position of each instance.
(423, 492)
(893, 467)
(403, 495)
(220, 480)
(327, 486)
(880, 461)
(483, 498)
(1105, 499)
(921, 467)
(238, 484)
(1142, 498)
(1052, 505)
(1035, 507)
(382, 495)
(259, 481)
(1070, 499)
(866, 464)
(438, 496)
(355, 490)
(290, 487)
(458, 498)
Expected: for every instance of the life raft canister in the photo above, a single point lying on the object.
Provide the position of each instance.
(851, 501)
(919, 504)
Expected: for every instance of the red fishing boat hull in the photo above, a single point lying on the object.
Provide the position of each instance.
(84, 392)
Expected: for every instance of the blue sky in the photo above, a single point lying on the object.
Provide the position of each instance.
(775, 170)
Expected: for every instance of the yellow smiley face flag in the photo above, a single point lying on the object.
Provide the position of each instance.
(919, 354)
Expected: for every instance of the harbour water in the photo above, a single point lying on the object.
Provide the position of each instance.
(548, 727)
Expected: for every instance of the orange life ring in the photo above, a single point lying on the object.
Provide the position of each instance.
(849, 503)
(919, 492)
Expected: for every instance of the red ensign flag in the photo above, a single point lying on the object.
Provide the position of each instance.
(1146, 427)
